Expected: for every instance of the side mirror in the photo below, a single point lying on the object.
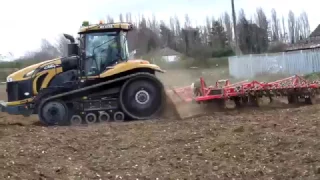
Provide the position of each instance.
(73, 49)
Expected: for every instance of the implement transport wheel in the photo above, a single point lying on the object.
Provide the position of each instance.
(53, 113)
(142, 97)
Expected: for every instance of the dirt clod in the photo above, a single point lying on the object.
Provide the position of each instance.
(239, 129)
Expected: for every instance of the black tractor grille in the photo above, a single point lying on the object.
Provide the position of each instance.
(16, 90)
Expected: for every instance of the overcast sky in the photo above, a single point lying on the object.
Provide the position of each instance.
(25, 22)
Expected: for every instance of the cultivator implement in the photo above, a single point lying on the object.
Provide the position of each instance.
(294, 89)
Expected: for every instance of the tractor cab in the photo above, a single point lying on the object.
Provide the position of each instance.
(100, 47)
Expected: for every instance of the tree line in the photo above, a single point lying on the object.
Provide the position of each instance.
(259, 34)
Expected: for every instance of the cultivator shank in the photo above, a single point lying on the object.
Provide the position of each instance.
(249, 93)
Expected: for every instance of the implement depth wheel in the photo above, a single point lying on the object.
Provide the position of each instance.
(53, 113)
(311, 99)
(142, 97)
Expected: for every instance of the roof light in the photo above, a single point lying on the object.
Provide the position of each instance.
(101, 22)
(85, 23)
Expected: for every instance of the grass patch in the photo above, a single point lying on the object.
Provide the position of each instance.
(312, 76)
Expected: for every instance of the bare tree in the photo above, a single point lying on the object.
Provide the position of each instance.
(291, 26)
(275, 26)
(187, 23)
(241, 15)
(228, 26)
(109, 19)
(178, 26)
(261, 19)
(284, 31)
(305, 26)
(154, 26)
(219, 36)
(298, 31)
(264, 32)
(121, 17)
(172, 25)
(208, 28)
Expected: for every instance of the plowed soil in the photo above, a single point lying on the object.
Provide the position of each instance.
(273, 143)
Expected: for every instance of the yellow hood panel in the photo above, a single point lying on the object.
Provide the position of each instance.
(130, 65)
(18, 75)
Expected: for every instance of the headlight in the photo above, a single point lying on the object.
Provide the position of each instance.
(9, 79)
(29, 73)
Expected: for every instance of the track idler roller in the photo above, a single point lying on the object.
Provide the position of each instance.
(91, 118)
(119, 116)
(76, 120)
(104, 117)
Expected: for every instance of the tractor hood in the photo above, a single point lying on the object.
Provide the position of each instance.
(146, 64)
(27, 72)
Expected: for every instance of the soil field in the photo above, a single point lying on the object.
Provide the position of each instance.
(267, 143)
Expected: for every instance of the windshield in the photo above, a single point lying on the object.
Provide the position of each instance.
(101, 51)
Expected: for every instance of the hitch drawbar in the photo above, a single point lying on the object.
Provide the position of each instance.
(14, 110)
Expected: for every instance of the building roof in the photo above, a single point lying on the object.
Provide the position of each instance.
(316, 32)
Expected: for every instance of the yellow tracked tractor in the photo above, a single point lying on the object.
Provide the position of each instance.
(96, 82)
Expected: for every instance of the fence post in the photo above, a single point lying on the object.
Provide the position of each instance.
(284, 63)
(251, 64)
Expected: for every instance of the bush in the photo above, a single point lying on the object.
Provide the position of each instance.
(277, 47)
(312, 76)
(223, 53)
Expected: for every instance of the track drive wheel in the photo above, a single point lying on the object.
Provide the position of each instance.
(53, 113)
(142, 97)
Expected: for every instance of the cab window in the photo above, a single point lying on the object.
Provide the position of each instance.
(124, 46)
(101, 51)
